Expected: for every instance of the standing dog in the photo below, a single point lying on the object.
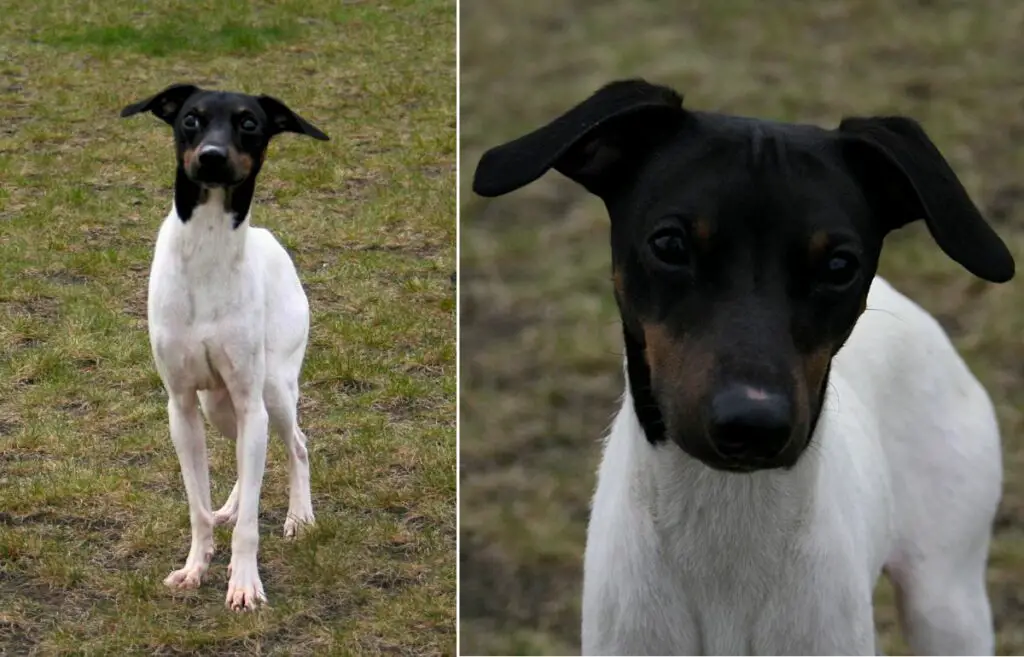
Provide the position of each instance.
(777, 446)
(228, 321)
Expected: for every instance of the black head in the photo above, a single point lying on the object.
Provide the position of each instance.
(742, 252)
(221, 140)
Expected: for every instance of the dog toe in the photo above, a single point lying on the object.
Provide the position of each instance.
(245, 590)
(184, 579)
(220, 518)
(297, 523)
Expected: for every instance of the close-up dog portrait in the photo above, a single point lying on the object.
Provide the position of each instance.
(740, 329)
(227, 328)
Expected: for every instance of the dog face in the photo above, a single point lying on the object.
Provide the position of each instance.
(221, 138)
(743, 252)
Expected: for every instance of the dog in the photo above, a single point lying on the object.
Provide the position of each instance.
(792, 426)
(228, 321)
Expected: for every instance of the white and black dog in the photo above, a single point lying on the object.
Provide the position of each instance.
(777, 446)
(228, 321)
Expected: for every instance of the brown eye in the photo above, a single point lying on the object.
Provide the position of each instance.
(669, 247)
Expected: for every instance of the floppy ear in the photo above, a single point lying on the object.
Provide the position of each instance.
(905, 176)
(283, 119)
(165, 105)
(589, 143)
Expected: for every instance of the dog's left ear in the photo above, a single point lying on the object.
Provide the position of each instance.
(165, 105)
(283, 119)
(906, 178)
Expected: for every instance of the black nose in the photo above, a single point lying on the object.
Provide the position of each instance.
(213, 156)
(748, 421)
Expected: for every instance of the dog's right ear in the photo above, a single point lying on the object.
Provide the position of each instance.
(589, 143)
(165, 105)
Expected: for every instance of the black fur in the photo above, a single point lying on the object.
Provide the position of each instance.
(744, 247)
(238, 124)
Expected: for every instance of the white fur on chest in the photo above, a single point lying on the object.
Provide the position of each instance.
(682, 559)
(694, 561)
(209, 290)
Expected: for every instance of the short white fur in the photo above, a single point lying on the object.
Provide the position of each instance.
(904, 475)
(228, 325)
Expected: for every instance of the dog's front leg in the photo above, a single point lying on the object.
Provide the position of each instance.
(190, 444)
(245, 590)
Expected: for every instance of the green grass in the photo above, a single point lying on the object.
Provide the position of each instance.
(92, 509)
(540, 371)
(174, 36)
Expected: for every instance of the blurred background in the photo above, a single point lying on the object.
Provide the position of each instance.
(540, 342)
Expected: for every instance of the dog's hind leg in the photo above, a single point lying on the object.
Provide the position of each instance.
(282, 405)
(220, 412)
(228, 514)
(190, 444)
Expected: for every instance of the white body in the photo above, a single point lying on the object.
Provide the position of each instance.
(904, 473)
(228, 324)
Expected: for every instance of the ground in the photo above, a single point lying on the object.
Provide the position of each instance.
(93, 512)
(540, 344)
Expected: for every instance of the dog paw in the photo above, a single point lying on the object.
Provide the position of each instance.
(186, 578)
(297, 523)
(225, 516)
(245, 590)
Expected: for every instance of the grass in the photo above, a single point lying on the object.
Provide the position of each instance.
(539, 332)
(92, 509)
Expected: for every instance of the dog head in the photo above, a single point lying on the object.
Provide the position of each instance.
(221, 137)
(742, 252)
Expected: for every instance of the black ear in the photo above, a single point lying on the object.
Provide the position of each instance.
(588, 143)
(165, 105)
(284, 120)
(905, 176)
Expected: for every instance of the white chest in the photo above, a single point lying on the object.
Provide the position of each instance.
(205, 305)
(684, 560)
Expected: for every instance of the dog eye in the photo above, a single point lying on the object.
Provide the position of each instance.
(839, 270)
(248, 124)
(190, 122)
(668, 246)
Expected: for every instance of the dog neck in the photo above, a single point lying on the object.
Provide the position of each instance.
(685, 497)
(189, 196)
(213, 235)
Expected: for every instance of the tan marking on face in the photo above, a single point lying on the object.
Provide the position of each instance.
(620, 283)
(240, 162)
(188, 158)
(814, 366)
(680, 369)
(809, 375)
(818, 245)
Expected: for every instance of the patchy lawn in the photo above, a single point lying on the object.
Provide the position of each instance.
(540, 369)
(93, 512)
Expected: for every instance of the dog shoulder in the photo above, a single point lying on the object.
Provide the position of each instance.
(908, 370)
(897, 335)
